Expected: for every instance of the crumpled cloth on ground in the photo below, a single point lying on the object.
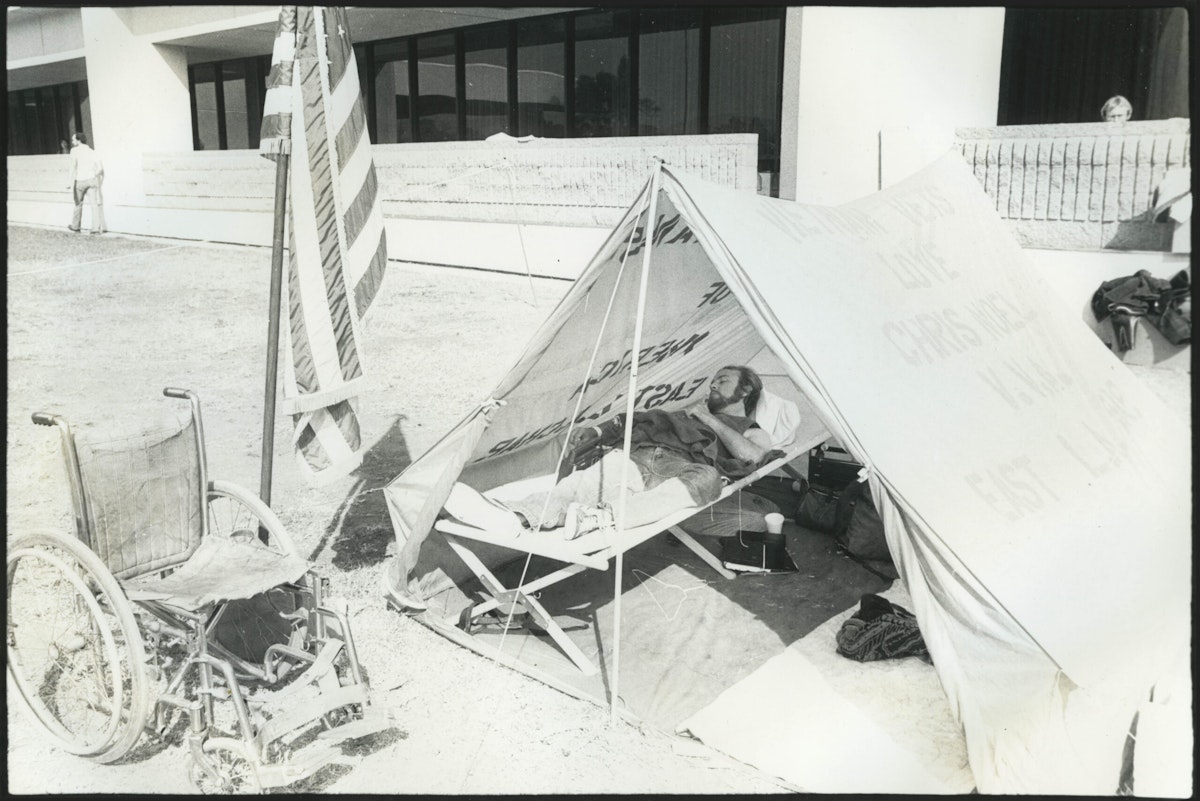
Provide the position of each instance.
(1164, 304)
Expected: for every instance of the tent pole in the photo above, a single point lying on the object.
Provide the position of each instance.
(512, 195)
(655, 180)
(268, 440)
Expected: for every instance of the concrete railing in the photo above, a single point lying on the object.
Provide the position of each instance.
(1079, 186)
(447, 203)
(576, 182)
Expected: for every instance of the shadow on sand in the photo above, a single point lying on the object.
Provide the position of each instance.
(360, 531)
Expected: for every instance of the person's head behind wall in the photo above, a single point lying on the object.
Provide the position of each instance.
(1116, 109)
(734, 383)
(78, 139)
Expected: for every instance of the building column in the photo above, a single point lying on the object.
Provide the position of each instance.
(873, 94)
(139, 100)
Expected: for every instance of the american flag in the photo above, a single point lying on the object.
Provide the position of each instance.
(336, 243)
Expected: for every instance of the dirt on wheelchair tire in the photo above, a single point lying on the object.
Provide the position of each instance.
(99, 325)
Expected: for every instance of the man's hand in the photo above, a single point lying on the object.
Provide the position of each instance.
(700, 411)
(738, 444)
(581, 438)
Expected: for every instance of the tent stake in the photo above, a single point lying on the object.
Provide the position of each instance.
(628, 443)
(268, 443)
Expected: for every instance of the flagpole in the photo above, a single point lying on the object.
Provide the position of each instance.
(268, 441)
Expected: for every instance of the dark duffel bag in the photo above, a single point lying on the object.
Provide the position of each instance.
(862, 535)
(818, 509)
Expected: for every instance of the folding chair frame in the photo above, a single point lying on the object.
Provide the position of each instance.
(592, 551)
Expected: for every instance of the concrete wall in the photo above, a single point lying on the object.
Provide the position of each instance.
(1089, 185)
(33, 38)
(865, 87)
(139, 99)
(542, 206)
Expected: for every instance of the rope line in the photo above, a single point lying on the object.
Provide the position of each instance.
(101, 261)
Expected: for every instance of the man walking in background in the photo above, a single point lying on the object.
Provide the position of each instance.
(87, 174)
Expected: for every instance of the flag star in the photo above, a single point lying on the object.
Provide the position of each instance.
(341, 31)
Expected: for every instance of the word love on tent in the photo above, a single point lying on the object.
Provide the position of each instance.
(1034, 495)
(337, 249)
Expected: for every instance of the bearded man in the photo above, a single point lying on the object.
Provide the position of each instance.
(676, 460)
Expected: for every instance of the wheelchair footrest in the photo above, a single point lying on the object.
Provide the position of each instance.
(307, 708)
(303, 764)
(373, 723)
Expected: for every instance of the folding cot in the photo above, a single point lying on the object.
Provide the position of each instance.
(593, 550)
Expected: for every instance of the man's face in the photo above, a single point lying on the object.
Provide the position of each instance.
(723, 390)
(1118, 114)
(74, 141)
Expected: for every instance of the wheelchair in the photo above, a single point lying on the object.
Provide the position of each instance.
(180, 602)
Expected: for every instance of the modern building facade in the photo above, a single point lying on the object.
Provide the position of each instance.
(837, 101)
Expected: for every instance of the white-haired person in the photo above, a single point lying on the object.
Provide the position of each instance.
(1116, 109)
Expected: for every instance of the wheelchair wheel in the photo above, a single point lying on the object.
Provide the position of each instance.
(75, 655)
(236, 512)
(235, 773)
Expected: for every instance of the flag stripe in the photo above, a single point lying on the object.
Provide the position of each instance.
(316, 265)
(360, 207)
(277, 105)
(328, 435)
(325, 213)
(302, 374)
(366, 289)
(361, 252)
(337, 241)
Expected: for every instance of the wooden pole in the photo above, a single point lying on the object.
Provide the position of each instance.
(268, 443)
(655, 181)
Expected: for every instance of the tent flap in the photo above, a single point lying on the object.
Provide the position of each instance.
(1036, 497)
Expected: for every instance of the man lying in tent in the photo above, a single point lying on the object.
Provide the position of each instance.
(677, 459)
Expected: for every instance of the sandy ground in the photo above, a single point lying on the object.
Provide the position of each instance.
(98, 326)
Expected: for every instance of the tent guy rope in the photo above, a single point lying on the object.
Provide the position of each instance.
(631, 403)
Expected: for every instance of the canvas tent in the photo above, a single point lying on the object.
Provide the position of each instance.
(1035, 497)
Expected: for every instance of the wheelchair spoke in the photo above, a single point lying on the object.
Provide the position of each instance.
(70, 655)
(228, 772)
(236, 513)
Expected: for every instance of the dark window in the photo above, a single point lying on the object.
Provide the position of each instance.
(437, 106)
(611, 72)
(486, 80)
(745, 63)
(602, 74)
(17, 142)
(227, 103)
(237, 116)
(1061, 65)
(669, 72)
(46, 127)
(42, 119)
(541, 77)
(206, 124)
(68, 122)
(83, 103)
(393, 118)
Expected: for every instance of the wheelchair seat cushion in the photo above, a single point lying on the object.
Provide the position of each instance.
(221, 569)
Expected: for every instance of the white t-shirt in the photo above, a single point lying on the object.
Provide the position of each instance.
(85, 163)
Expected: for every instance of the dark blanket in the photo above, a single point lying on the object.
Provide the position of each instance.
(685, 434)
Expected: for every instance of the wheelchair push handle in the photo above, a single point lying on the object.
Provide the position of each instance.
(45, 419)
(182, 394)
